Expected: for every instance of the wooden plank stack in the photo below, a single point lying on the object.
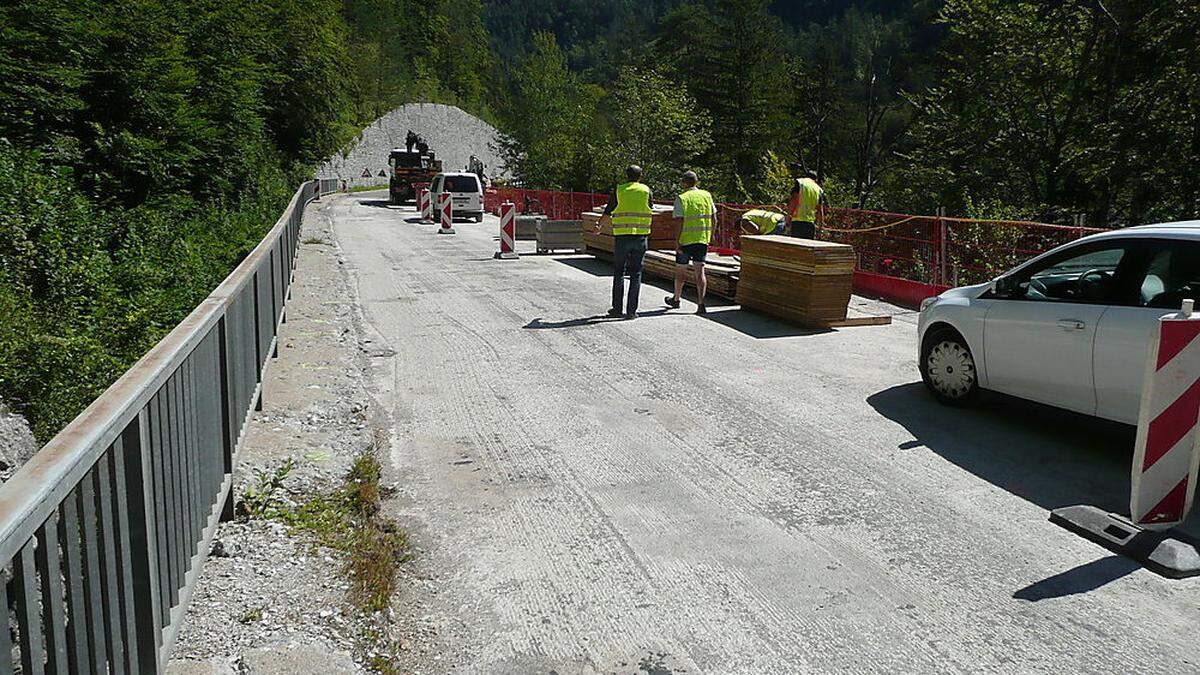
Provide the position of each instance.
(664, 230)
(800, 280)
(722, 271)
(557, 234)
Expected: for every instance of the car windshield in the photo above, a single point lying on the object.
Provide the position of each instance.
(462, 184)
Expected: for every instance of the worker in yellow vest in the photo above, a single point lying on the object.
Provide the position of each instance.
(699, 212)
(762, 221)
(631, 213)
(807, 197)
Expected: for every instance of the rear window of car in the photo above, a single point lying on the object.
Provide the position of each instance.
(462, 184)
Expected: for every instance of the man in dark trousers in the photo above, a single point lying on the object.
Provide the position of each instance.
(631, 213)
(410, 140)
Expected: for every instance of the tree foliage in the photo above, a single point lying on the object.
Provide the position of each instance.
(146, 146)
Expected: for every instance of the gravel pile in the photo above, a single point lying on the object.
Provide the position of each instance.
(453, 136)
(16, 442)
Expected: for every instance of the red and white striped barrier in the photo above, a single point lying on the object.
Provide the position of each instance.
(508, 231)
(1165, 457)
(446, 209)
(425, 204)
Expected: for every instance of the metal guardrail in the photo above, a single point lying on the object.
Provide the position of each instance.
(103, 532)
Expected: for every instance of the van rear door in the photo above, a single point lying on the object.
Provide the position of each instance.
(467, 195)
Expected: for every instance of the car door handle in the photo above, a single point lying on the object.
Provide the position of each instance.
(1071, 324)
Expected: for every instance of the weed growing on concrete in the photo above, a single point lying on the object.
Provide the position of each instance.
(348, 520)
(251, 615)
(314, 240)
(262, 500)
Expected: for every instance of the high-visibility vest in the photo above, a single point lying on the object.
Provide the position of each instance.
(767, 221)
(633, 214)
(698, 213)
(810, 197)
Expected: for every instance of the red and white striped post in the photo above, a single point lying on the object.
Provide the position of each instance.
(425, 204)
(1165, 457)
(508, 231)
(446, 209)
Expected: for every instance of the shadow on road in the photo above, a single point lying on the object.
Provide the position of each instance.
(760, 326)
(1084, 578)
(538, 324)
(376, 203)
(1050, 457)
(586, 263)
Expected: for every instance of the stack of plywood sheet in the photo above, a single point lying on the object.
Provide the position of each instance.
(556, 234)
(721, 270)
(800, 280)
(664, 230)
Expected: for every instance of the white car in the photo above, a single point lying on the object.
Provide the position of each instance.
(466, 194)
(1070, 328)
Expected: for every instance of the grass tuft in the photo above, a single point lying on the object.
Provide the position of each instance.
(349, 520)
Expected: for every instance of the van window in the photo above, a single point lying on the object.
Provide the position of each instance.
(462, 184)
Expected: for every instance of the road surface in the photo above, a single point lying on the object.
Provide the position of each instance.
(726, 493)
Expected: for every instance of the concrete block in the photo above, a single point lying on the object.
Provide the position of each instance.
(295, 659)
(204, 667)
(1170, 553)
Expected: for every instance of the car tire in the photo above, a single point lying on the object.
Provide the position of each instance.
(948, 368)
(479, 218)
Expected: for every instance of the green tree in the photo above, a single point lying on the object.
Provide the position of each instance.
(655, 123)
(548, 121)
(730, 52)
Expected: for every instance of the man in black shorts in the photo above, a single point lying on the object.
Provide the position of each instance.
(699, 212)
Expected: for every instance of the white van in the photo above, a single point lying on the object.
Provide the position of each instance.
(465, 193)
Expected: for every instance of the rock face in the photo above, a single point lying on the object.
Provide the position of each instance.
(16, 442)
(453, 136)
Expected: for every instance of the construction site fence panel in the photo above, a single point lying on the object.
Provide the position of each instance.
(103, 532)
(554, 204)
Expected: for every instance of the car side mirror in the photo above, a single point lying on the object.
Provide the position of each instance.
(1003, 287)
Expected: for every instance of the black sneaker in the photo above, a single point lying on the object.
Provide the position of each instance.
(615, 313)
(631, 316)
(671, 302)
(701, 310)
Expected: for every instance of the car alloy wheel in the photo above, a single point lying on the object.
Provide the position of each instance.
(951, 369)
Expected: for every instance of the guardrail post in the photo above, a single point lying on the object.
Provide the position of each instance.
(143, 547)
(227, 439)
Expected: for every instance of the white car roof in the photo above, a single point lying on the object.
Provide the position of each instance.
(457, 173)
(1184, 229)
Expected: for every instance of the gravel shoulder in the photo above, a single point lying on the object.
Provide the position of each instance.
(266, 592)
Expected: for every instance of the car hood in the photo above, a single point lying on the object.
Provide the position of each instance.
(969, 292)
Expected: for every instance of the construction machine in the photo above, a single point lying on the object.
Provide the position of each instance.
(409, 169)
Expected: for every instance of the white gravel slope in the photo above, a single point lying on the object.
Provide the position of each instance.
(453, 135)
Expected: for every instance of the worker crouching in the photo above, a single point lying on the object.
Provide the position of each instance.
(762, 221)
(699, 212)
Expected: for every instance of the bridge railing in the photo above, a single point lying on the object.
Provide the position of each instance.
(104, 531)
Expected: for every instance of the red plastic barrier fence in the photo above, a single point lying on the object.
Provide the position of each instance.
(936, 251)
